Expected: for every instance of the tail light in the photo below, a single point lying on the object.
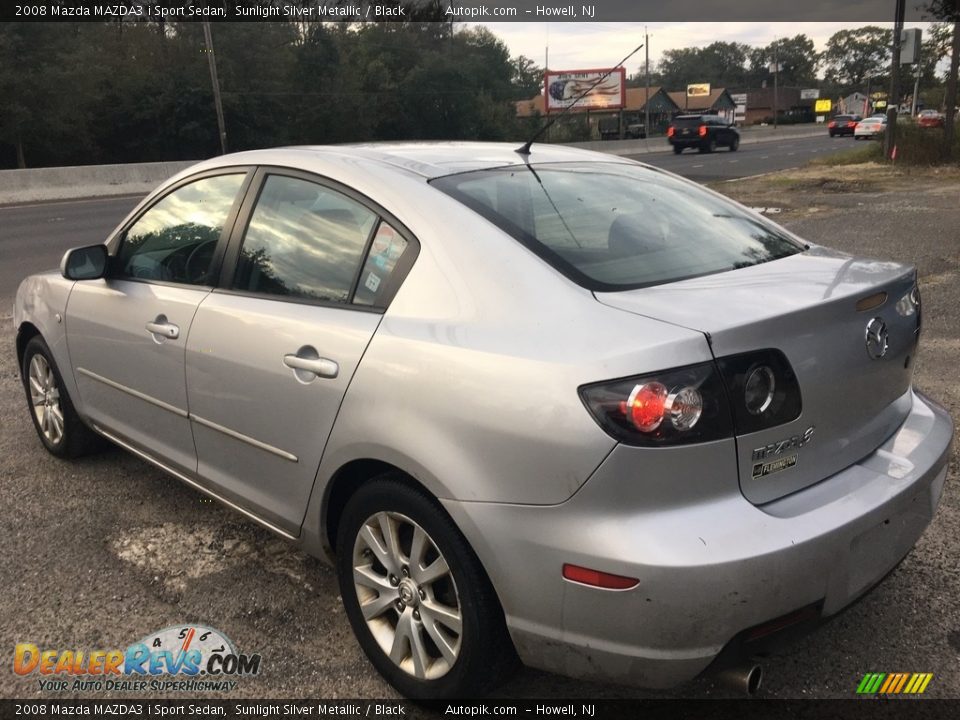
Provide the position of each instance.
(763, 389)
(702, 131)
(674, 407)
(831, 124)
(670, 131)
(739, 394)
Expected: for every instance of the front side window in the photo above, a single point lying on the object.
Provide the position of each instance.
(303, 241)
(175, 240)
(618, 226)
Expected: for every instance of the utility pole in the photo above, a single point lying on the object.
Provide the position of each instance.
(893, 104)
(211, 60)
(646, 70)
(776, 80)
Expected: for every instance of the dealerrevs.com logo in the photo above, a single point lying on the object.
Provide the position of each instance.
(190, 658)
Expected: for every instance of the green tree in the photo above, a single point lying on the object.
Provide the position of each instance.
(797, 57)
(852, 56)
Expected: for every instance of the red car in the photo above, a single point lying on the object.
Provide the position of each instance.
(843, 125)
(929, 119)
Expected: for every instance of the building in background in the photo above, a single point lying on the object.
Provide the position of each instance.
(717, 102)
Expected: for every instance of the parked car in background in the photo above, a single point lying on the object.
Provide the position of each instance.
(548, 403)
(930, 119)
(704, 132)
(636, 130)
(843, 125)
(869, 128)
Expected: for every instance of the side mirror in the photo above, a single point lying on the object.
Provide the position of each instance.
(85, 263)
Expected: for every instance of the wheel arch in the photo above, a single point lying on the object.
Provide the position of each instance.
(25, 332)
(345, 482)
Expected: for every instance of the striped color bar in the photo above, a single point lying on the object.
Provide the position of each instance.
(894, 683)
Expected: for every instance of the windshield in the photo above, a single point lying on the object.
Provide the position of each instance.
(617, 226)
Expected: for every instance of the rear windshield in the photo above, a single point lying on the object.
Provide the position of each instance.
(618, 226)
(688, 122)
(843, 117)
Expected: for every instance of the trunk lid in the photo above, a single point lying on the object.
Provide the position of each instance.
(805, 306)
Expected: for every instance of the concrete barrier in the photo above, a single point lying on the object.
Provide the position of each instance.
(84, 181)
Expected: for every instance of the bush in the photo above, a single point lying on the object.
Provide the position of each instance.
(923, 146)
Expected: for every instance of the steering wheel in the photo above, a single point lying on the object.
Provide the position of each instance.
(193, 256)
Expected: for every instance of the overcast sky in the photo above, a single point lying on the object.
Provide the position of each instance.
(596, 45)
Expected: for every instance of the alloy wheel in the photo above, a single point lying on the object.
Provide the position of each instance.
(45, 399)
(407, 595)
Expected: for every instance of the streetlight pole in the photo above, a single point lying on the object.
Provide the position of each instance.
(211, 60)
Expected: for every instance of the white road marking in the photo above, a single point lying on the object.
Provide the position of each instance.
(791, 154)
(733, 161)
(700, 165)
(764, 157)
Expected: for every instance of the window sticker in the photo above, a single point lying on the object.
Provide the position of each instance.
(373, 282)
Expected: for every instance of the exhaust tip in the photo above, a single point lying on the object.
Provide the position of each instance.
(744, 679)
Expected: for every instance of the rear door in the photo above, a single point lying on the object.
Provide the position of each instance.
(272, 351)
(127, 333)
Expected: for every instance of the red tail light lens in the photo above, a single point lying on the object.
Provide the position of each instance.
(702, 131)
(831, 124)
(673, 407)
(670, 131)
(646, 406)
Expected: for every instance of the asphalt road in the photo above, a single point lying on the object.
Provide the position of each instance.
(102, 551)
(749, 160)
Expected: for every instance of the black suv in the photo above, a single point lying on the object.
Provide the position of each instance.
(704, 132)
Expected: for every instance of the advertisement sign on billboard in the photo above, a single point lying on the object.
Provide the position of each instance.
(823, 106)
(810, 94)
(698, 90)
(740, 100)
(563, 87)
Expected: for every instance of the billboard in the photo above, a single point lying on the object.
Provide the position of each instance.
(823, 106)
(810, 94)
(698, 90)
(740, 100)
(563, 87)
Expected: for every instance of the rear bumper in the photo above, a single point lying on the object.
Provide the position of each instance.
(707, 571)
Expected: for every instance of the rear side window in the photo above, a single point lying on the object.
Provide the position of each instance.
(688, 122)
(617, 226)
(303, 241)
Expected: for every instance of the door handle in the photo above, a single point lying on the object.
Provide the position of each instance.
(321, 367)
(164, 329)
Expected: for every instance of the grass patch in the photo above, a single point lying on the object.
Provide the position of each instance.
(871, 152)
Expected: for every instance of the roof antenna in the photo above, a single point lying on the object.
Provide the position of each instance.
(525, 148)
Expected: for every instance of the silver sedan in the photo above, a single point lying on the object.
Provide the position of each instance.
(558, 406)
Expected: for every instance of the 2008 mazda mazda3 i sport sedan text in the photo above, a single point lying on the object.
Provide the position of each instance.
(561, 406)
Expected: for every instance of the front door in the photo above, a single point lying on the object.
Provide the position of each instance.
(127, 333)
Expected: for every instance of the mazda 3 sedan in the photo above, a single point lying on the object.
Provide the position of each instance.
(558, 406)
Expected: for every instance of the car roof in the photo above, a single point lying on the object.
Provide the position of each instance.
(425, 159)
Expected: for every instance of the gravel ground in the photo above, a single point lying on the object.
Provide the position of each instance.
(103, 551)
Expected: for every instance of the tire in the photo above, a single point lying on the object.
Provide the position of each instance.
(832, 134)
(677, 149)
(57, 423)
(735, 144)
(408, 608)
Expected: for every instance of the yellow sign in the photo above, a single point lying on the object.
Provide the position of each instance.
(698, 90)
(823, 105)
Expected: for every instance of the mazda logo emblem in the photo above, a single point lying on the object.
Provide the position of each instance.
(876, 337)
